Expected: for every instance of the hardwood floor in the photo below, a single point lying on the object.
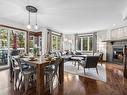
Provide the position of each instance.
(116, 84)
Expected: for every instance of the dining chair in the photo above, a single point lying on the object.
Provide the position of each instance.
(51, 72)
(90, 62)
(15, 70)
(27, 73)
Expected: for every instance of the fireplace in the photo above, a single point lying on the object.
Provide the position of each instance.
(118, 55)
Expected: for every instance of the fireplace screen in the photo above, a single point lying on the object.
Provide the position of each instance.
(118, 55)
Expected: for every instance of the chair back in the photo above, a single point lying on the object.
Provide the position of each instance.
(91, 61)
(14, 62)
(19, 63)
(56, 65)
(100, 54)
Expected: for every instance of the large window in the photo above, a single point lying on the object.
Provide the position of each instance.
(31, 41)
(56, 40)
(3, 46)
(3, 38)
(10, 39)
(85, 43)
(19, 37)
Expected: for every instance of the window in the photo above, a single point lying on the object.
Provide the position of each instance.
(90, 43)
(56, 40)
(79, 43)
(17, 37)
(31, 41)
(3, 38)
(21, 39)
(85, 43)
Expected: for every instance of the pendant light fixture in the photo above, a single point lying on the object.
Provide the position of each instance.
(31, 9)
(29, 26)
(36, 27)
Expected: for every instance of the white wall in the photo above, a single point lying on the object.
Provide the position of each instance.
(101, 46)
(13, 24)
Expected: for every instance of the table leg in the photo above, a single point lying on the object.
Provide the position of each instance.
(75, 63)
(78, 66)
(61, 72)
(40, 79)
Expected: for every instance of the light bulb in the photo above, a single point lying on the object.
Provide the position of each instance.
(28, 26)
(36, 27)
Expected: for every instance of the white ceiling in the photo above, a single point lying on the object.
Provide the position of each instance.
(67, 16)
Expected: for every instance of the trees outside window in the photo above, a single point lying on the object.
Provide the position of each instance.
(85, 43)
(3, 38)
(56, 41)
(31, 42)
(20, 39)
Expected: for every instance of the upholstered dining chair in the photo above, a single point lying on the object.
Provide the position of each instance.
(90, 62)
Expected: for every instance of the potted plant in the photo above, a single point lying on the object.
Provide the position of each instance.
(35, 51)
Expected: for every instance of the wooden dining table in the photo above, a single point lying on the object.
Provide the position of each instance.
(40, 63)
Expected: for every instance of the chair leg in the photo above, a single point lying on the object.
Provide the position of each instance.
(101, 63)
(75, 63)
(84, 71)
(15, 79)
(97, 70)
(26, 79)
(78, 66)
(16, 75)
(20, 82)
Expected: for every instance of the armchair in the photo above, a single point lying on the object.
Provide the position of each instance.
(100, 54)
(90, 62)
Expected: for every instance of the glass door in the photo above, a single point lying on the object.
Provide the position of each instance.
(4, 45)
(12, 42)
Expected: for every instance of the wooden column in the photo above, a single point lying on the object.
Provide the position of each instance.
(49, 41)
(125, 60)
(40, 79)
(27, 42)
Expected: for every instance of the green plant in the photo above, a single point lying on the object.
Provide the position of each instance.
(20, 40)
(35, 51)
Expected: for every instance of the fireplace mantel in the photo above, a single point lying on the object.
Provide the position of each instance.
(116, 40)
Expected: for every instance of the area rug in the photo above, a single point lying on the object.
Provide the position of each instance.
(90, 73)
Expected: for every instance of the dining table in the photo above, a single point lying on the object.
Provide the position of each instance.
(40, 63)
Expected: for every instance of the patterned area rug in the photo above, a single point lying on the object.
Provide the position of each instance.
(90, 73)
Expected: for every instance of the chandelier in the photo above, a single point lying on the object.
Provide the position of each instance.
(31, 9)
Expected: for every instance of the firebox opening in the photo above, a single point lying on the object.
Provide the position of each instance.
(118, 55)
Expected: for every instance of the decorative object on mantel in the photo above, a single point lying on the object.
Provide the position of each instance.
(31, 9)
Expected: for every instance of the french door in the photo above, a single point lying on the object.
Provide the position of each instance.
(4, 47)
(10, 39)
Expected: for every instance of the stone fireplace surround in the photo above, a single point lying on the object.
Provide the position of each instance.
(115, 51)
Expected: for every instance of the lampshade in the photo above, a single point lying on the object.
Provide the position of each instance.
(36, 27)
(28, 26)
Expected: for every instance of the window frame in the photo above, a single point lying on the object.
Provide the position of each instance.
(82, 43)
(57, 41)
